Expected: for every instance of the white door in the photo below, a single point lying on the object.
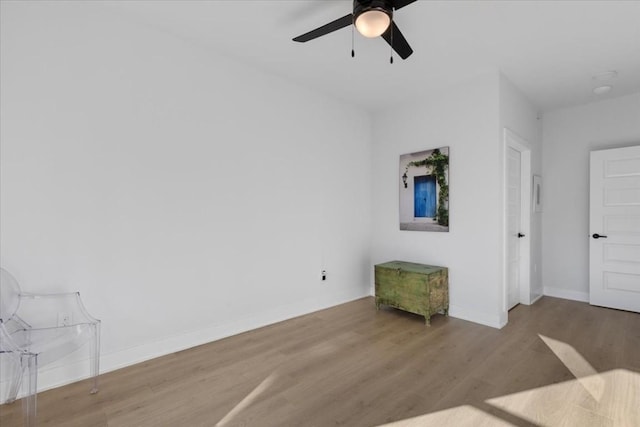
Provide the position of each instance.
(514, 233)
(614, 229)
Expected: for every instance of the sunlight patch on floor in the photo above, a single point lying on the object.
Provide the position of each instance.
(593, 399)
(567, 403)
(461, 416)
(248, 400)
(572, 402)
(313, 353)
(577, 365)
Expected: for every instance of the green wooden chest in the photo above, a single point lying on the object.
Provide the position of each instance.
(416, 288)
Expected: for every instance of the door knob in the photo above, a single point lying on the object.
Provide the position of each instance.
(598, 236)
(520, 235)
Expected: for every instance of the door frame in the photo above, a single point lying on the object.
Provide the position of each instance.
(513, 140)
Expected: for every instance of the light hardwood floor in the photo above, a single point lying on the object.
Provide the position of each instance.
(557, 363)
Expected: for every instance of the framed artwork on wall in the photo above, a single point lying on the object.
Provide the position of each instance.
(424, 190)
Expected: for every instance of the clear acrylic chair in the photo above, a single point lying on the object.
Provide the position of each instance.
(36, 329)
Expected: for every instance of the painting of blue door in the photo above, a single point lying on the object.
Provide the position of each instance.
(424, 191)
(423, 184)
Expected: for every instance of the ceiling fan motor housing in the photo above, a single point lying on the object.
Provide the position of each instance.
(362, 6)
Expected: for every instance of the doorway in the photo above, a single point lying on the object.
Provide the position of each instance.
(516, 221)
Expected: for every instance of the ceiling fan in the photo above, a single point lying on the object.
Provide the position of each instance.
(372, 18)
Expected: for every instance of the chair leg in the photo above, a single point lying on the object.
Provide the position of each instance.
(95, 357)
(15, 380)
(29, 402)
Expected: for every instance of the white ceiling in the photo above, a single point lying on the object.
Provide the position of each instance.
(549, 49)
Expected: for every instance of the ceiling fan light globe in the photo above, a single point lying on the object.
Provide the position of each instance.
(372, 23)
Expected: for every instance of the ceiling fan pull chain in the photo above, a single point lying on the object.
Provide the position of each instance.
(391, 44)
(353, 52)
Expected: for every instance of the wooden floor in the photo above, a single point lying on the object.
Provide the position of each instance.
(557, 362)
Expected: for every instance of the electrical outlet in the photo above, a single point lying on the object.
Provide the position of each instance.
(64, 319)
(324, 275)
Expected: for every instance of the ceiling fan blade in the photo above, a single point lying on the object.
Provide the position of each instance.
(326, 29)
(400, 44)
(397, 4)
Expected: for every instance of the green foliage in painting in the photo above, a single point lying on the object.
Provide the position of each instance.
(438, 164)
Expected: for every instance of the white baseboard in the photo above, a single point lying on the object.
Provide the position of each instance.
(495, 321)
(76, 366)
(566, 294)
(470, 315)
(535, 299)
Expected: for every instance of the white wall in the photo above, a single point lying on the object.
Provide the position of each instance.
(569, 135)
(521, 117)
(464, 118)
(186, 196)
(470, 119)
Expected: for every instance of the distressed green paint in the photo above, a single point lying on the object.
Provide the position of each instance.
(416, 288)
